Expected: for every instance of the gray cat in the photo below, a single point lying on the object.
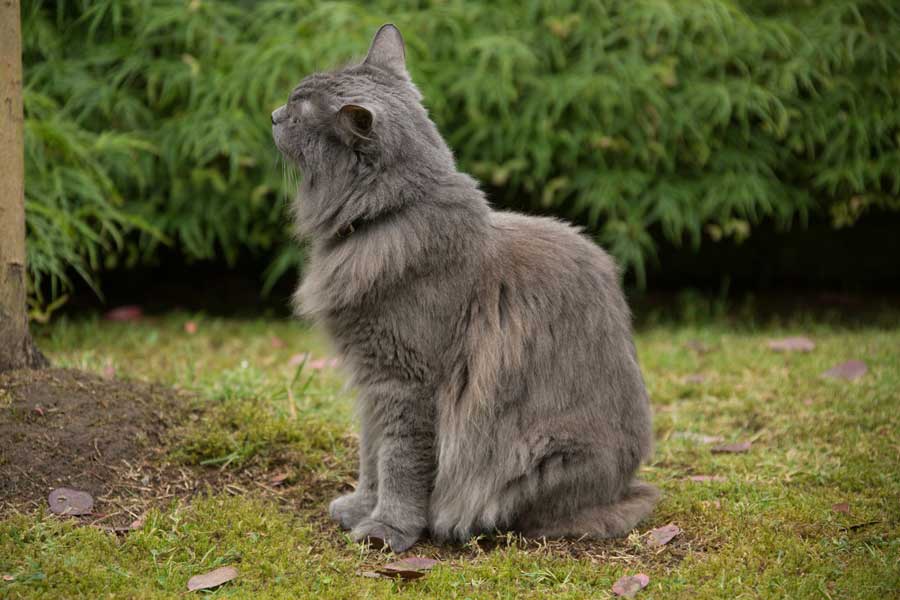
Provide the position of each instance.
(499, 387)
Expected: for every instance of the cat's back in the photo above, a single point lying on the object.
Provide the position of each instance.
(542, 252)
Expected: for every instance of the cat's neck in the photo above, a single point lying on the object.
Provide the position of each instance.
(443, 229)
(332, 209)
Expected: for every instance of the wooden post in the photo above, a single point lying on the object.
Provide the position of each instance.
(16, 348)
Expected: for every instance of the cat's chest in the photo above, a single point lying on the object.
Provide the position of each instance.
(382, 343)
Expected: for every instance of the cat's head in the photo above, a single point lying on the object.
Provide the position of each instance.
(365, 116)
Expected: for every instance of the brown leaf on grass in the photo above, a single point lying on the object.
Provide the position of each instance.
(190, 327)
(736, 448)
(130, 312)
(792, 344)
(39, 410)
(408, 568)
(629, 585)
(65, 501)
(297, 359)
(212, 579)
(323, 363)
(136, 524)
(278, 478)
(841, 507)
(850, 370)
(276, 342)
(663, 535)
(705, 478)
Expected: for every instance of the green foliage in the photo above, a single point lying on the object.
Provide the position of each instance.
(147, 122)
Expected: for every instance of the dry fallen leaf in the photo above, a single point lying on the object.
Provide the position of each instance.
(39, 410)
(276, 342)
(278, 478)
(792, 344)
(297, 359)
(629, 585)
(663, 535)
(736, 448)
(65, 501)
(850, 370)
(212, 579)
(408, 568)
(190, 327)
(130, 312)
(705, 478)
(841, 507)
(323, 363)
(136, 524)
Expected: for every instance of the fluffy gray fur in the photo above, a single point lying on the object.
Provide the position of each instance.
(499, 387)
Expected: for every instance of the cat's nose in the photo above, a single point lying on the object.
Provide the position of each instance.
(278, 115)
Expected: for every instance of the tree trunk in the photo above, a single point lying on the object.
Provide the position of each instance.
(16, 348)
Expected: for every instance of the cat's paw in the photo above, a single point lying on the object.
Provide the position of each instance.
(379, 534)
(350, 509)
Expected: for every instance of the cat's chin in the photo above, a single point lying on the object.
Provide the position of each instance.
(280, 137)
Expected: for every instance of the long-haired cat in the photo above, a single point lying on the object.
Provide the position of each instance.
(499, 387)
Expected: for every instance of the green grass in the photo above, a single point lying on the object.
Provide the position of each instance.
(767, 531)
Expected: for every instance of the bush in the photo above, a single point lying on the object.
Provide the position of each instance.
(148, 122)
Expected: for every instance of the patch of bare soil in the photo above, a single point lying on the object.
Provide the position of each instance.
(108, 437)
(66, 428)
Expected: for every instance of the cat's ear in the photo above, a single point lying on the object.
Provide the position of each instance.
(355, 122)
(387, 50)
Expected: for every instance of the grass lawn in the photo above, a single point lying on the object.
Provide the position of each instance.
(765, 527)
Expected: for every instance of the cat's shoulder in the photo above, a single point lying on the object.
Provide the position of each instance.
(513, 227)
(545, 242)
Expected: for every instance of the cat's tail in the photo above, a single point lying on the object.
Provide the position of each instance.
(604, 520)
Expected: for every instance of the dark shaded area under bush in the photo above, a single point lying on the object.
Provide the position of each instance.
(808, 269)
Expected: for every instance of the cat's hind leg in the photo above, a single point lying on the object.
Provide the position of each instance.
(595, 521)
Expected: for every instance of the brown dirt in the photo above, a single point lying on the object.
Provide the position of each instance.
(66, 428)
(108, 437)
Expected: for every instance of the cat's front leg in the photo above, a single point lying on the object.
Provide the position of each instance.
(350, 509)
(405, 469)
